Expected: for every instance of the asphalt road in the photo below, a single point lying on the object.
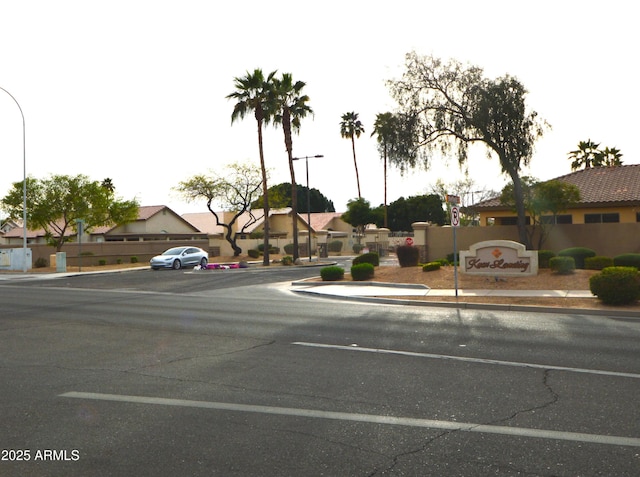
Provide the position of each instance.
(174, 373)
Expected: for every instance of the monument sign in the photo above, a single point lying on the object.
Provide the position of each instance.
(499, 258)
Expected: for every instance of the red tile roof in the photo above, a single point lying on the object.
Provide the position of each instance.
(597, 185)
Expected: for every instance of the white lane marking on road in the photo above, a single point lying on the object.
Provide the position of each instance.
(467, 359)
(365, 418)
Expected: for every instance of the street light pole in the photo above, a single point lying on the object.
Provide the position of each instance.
(24, 185)
(306, 161)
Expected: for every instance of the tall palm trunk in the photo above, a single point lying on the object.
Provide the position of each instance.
(288, 142)
(265, 204)
(385, 187)
(355, 163)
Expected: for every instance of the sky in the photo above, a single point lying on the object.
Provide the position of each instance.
(136, 90)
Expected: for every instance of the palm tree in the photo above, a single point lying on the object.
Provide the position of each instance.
(609, 157)
(290, 106)
(253, 94)
(351, 127)
(585, 155)
(385, 128)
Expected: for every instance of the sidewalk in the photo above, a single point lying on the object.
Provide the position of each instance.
(393, 289)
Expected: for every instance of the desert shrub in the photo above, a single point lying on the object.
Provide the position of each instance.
(357, 247)
(627, 260)
(332, 273)
(578, 254)
(451, 260)
(102, 262)
(443, 262)
(616, 285)
(253, 253)
(274, 250)
(41, 263)
(597, 263)
(408, 256)
(288, 249)
(335, 246)
(134, 259)
(562, 265)
(362, 271)
(118, 261)
(287, 260)
(544, 256)
(372, 257)
(431, 266)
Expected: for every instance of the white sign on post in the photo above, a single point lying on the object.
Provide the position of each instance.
(455, 216)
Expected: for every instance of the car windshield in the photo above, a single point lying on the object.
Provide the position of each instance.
(174, 251)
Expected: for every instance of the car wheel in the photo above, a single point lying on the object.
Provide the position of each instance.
(177, 265)
(203, 262)
(155, 268)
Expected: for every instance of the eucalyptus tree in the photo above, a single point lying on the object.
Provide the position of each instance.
(449, 106)
(289, 108)
(252, 94)
(350, 128)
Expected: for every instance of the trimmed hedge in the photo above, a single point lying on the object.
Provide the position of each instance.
(616, 285)
(408, 256)
(253, 253)
(362, 271)
(357, 247)
(431, 266)
(597, 263)
(372, 257)
(562, 265)
(332, 274)
(578, 254)
(627, 260)
(544, 256)
(335, 246)
(288, 249)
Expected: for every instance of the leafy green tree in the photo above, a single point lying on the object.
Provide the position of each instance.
(56, 204)
(290, 106)
(253, 93)
(280, 197)
(359, 214)
(350, 128)
(421, 208)
(448, 106)
(234, 190)
(542, 200)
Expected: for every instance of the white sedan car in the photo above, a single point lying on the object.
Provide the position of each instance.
(178, 257)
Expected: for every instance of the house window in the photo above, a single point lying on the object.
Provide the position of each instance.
(601, 218)
(557, 219)
(511, 220)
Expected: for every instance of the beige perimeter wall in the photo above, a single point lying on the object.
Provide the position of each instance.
(606, 239)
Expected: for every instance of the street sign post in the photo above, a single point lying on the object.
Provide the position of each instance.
(455, 223)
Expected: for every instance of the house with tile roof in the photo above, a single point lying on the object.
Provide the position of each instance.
(157, 222)
(607, 195)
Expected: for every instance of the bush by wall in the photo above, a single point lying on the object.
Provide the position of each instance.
(287, 260)
(562, 265)
(578, 254)
(597, 263)
(627, 260)
(332, 274)
(431, 266)
(544, 256)
(253, 253)
(134, 259)
(362, 271)
(408, 255)
(357, 247)
(335, 246)
(372, 257)
(288, 249)
(616, 285)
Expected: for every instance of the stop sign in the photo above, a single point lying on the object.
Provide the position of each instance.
(408, 241)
